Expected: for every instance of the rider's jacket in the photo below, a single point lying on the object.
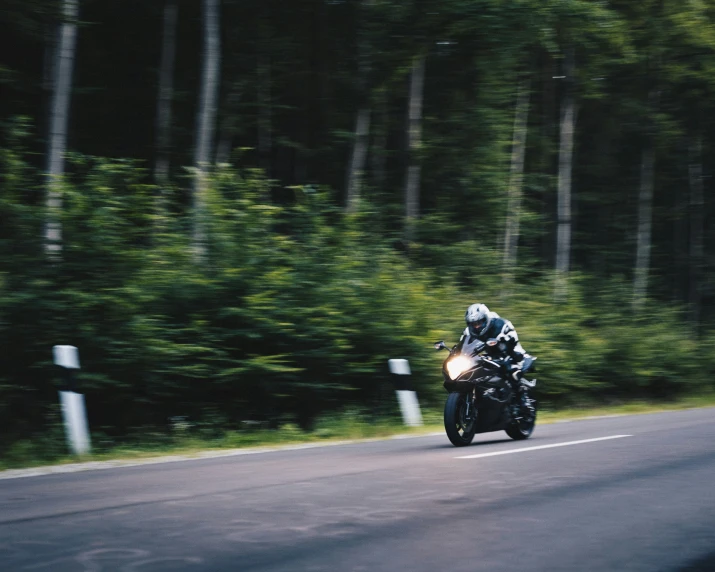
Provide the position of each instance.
(506, 336)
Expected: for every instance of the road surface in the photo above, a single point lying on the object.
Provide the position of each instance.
(634, 493)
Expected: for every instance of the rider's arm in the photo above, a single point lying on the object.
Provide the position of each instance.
(509, 337)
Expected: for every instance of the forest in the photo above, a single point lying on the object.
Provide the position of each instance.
(239, 210)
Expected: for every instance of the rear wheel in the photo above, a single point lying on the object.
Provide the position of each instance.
(523, 425)
(460, 419)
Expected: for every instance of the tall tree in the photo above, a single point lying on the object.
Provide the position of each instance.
(356, 168)
(358, 156)
(645, 210)
(263, 90)
(566, 145)
(206, 122)
(57, 140)
(414, 145)
(645, 223)
(516, 179)
(165, 93)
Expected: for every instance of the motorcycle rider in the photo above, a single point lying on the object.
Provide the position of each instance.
(486, 326)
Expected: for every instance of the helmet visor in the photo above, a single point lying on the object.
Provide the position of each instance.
(476, 327)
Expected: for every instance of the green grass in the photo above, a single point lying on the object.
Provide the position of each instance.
(349, 426)
(631, 407)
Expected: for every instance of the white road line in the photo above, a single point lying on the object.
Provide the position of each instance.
(510, 451)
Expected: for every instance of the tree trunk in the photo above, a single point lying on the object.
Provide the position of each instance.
(164, 101)
(695, 175)
(549, 121)
(566, 145)
(645, 213)
(516, 179)
(165, 95)
(357, 161)
(414, 146)
(206, 124)
(645, 218)
(57, 140)
(358, 156)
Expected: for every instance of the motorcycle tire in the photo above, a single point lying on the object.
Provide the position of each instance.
(460, 430)
(520, 430)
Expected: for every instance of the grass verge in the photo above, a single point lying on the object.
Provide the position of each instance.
(49, 451)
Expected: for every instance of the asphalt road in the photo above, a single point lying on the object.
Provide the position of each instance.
(643, 500)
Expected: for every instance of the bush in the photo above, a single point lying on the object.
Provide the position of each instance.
(292, 315)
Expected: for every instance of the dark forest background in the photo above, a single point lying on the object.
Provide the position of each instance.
(239, 210)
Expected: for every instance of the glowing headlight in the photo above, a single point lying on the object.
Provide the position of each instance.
(457, 366)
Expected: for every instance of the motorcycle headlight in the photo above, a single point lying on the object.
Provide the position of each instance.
(457, 366)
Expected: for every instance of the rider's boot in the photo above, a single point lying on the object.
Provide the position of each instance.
(521, 402)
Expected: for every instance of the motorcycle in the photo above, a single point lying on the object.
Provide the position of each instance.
(481, 399)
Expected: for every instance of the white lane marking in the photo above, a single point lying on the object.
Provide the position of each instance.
(510, 451)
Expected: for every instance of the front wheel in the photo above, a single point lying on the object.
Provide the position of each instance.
(522, 426)
(460, 419)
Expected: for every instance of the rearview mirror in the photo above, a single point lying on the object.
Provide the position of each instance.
(492, 342)
(440, 345)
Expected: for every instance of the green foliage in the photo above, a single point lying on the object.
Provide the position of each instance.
(592, 349)
(297, 307)
(279, 324)
(293, 316)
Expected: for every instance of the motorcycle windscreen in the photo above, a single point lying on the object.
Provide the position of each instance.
(470, 346)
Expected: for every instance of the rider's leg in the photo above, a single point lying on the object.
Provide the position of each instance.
(521, 396)
(515, 377)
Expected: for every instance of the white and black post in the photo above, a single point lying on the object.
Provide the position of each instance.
(407, 398)
(74, 413)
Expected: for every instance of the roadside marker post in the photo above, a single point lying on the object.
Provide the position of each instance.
(407, 398)
(74, 413)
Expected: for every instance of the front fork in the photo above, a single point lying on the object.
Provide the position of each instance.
(469, 403)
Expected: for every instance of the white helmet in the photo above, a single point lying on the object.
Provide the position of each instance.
(478, 319)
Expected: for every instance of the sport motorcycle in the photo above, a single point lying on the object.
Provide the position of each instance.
(481, 398)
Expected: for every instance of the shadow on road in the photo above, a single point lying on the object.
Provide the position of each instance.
(703, 564)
